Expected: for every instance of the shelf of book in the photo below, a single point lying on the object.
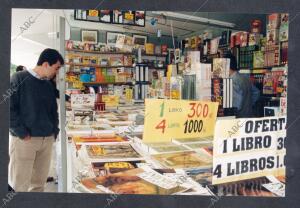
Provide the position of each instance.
(106, 83)
(95, 65)
(155, 55)
(158, 68)
(99, 52)
(114, 83)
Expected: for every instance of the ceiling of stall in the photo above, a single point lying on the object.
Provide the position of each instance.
(27, 44)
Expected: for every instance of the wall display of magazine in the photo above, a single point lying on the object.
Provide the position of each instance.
(220, 68)
(135, 18)
(272, 82)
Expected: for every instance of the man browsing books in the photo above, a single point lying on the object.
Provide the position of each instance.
(245, 94)
(33, 123)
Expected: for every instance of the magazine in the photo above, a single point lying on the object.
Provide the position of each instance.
(111, 151)
(135, 181)
(166, 147)
(183, 160)
(84, 139)
(105, 168)
(190, 140)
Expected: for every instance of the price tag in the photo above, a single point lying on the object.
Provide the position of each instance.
(128, 95)
(169, 119)
(78, 84)
(111, 100)
(82, 100)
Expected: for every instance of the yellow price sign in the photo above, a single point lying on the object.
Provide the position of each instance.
(169, 119)
(128, 95)
(111, 100)
(78, 84)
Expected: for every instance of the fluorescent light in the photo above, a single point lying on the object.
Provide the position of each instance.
(195, 18)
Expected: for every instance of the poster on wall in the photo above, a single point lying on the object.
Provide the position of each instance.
(105, 16)
(250, 150)
(128, 17)
(117, 17)
(140, 18)
(111, 38)
(93, 15)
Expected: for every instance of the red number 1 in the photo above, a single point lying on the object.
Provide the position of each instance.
(162, 125)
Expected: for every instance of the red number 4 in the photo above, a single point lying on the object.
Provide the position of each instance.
(162, 125)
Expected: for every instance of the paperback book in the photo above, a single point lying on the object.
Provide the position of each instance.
(183, 160)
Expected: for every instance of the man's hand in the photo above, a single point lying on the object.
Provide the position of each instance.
(27, 138)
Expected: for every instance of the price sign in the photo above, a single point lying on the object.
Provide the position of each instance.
(111, 100)
(78, 85)
(128, 95)
(169, 119)
(82, 100)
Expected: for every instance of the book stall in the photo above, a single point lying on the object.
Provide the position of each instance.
(157, 115)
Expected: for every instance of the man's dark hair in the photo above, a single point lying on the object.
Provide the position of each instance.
(233, 62)
(51, 56)
(20, 68)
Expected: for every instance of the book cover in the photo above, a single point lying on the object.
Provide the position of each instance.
(273, 21)
(105, 168)
(111, 151)
(271, 82)
(192, 140)
(284, 19)
(105, 16)
(134, 181)
(221, 67)
(284, 52)
(214, 44)
(272, 36)
(225, 38)
(99, 139)
(258, 59)
(283, 106)
(128, 17)
(168, 147)
(284, 32)
(183, 160)
(254, 39)
(202, 176)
